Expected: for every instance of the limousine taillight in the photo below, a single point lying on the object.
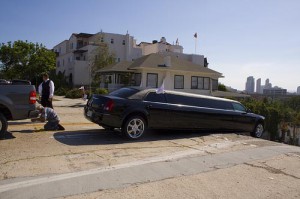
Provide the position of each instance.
(109, 105)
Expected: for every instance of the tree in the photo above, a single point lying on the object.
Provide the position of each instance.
(295, 124)
(25, 60)
(101, 57)
(222, 87)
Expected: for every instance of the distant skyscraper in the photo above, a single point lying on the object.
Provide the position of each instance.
(258, 86)
(268, 85)
(250, 84)
(298, 90)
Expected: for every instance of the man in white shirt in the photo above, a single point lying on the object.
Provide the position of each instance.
(46, 91)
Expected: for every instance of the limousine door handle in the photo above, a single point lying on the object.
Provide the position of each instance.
(148, 106)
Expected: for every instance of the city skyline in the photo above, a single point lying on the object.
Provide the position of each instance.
(235, 41)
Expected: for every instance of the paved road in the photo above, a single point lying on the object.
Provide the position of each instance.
(87, 162)
(139, 172)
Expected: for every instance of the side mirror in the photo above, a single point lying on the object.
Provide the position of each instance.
(248, 110)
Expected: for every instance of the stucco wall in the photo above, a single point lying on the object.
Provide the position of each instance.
(81, 73)
(168, 76)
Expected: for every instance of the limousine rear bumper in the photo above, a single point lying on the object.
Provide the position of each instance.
(105, 119)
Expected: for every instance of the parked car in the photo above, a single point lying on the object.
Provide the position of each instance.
(134, 110)
(17, 102)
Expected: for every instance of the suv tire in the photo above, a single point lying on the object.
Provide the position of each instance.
(3, 125)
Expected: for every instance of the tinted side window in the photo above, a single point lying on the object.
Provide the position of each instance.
(178, 99)
(239, 107)
(198, 101)
(221, 105)
(154, 97)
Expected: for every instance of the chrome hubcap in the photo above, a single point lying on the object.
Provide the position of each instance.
(135, 128)
(259, 130)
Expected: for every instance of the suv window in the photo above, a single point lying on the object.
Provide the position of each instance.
(239, 107)
(154, 97)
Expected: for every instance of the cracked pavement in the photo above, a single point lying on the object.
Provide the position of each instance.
(31, 153)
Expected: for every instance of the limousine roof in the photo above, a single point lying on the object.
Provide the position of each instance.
(143, 91)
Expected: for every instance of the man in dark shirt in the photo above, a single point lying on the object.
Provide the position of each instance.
(49, 115)
(46, 91)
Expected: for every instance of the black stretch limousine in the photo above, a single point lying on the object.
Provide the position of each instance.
(134, 110)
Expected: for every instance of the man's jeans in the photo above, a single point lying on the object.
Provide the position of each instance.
(51, 125)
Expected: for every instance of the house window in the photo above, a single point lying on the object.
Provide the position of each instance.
(179, 82)
(202, 83)
(71, 45)
(194, 83)
(58, 63)
(112, 41)
(152, 80)
(123, 42)
(137, 79)
(102, 39)
(206, 83)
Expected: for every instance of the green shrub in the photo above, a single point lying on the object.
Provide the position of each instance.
(74, 93)
(61, 91)
(101, 91)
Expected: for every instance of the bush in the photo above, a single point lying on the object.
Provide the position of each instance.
(61, 91)
(74, 93)
(101, 91)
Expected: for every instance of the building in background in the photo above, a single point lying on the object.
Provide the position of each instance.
(275, 91)
(298, 90)
(75, 55)
(258, 86)
(267, 85)
(250, 84)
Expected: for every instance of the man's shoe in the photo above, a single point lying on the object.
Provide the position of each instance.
(60, 127)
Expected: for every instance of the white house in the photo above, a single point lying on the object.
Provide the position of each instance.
(75, 54)
(156, 69)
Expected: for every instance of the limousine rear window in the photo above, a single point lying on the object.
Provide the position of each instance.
(154, 97)
(124, 92)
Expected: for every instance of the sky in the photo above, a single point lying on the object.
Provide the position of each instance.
(240, 38)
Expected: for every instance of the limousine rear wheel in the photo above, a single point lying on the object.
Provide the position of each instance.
(258, 131)
(134, 127)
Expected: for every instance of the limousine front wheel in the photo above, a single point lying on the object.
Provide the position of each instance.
(258, 131)
(134, 127)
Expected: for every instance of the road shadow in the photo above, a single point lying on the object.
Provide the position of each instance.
(24, 131)
(77, 105)
(104, 137)
(19, 122)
